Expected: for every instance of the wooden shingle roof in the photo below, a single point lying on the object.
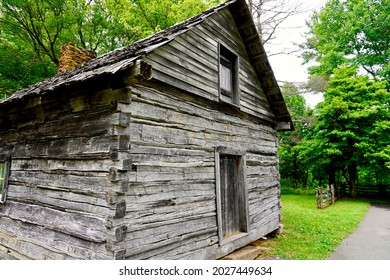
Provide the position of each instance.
(121, 59)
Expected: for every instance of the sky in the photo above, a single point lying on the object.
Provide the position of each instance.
(289, 67)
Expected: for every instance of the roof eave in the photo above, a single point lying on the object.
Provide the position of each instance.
(260, 62)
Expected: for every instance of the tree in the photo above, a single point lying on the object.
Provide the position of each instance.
(23, 69)
(269, 15)
(95, 25)
(349, 141)
(355, 32)
(353, 127)
(293, 171)
(38, 23)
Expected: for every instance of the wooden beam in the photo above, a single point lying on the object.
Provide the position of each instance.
(140, 71)
(260, 58)
(284, 126)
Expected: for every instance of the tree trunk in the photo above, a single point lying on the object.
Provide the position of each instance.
(332, 178)
(295, 172)
(353, 176)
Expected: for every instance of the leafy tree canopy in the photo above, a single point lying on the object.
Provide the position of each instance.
(354, 32)
(20, 66)
(352, 128)
(293, 171)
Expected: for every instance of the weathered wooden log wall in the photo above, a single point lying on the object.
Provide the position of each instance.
(59, 203)
(171, 203)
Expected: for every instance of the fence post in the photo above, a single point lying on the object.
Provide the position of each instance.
(325, 197)
(319, 198)
(332, 193)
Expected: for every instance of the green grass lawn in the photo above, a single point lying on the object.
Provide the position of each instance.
(311, 233)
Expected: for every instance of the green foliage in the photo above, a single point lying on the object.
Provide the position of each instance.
(92, 25)
(293, 171)
(345, 141)
(355, 32)
(37, 23)
(348, 143)
(351, 132)
(288, 190)
(311, 233)
(20, 66)
(355, 117)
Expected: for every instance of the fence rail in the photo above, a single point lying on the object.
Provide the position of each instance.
(325, 197)
(381, 191)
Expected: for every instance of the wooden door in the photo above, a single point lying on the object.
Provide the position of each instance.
(231, 195)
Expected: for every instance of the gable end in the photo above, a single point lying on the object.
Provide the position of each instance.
(259, 60)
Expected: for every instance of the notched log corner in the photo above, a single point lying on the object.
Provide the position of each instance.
(120, 210)
(120, 233)
(139, 72)
(120, 255)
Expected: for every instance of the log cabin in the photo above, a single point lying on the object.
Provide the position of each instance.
(164, 149)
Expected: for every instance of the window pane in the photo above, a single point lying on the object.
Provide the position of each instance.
(226, 79)
(227, 75)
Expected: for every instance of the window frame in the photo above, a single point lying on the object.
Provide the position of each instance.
(6, 160)
(229, 60)
(243, 187)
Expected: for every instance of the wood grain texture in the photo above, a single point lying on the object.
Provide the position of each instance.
(173, 139)
(192, 64)
(60, 203)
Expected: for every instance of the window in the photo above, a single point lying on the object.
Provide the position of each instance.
(231, 194)
(4, 173)
(228, 76)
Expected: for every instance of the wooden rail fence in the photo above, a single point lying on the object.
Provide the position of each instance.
(381, 191)
(325, 197)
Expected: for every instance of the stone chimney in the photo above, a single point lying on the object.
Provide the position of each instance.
(72, 56)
